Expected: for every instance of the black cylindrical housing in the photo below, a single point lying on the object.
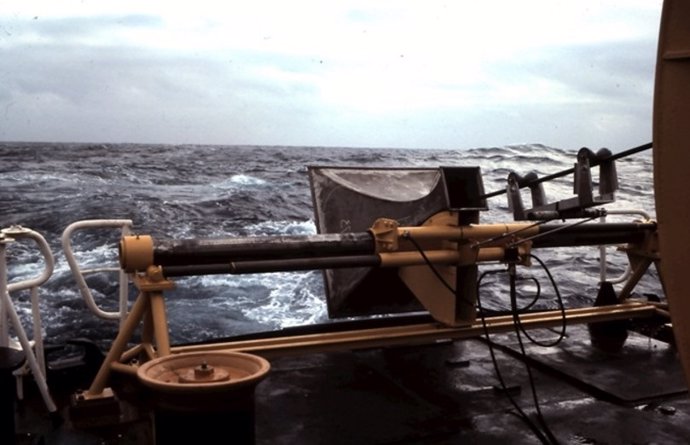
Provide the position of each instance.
(279, 265)
(228, 250)
(559, 235)
(305, 264)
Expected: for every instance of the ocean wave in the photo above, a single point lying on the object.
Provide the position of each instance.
(196, 191)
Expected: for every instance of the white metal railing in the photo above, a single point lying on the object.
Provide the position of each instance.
(124, 225)
(602, 249)
(33, 352)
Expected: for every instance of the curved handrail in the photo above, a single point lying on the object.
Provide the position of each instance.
(22, 232)
(36, 360)
(18, 232)
(78, 273)
(602, 249)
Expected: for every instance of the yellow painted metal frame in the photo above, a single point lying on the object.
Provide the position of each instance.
(149, 309)
(119, 359)
(445, 244)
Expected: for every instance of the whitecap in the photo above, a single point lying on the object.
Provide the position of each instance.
(235, 183)
(282, 228)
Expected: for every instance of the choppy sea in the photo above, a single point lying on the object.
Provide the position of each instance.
(201, 191)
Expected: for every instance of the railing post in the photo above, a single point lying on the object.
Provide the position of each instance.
(78, 273)
(4, 328)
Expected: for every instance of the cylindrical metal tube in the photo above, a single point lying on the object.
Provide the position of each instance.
(469, 232)
(558, 235)
(296, 264)
(217, 251)
(414, 258)
(279, 265)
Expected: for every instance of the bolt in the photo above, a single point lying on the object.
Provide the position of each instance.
(203, 370)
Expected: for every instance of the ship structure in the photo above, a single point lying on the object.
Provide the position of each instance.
(411, 355)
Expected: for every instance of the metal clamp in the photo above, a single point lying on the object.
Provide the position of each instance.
(385, 232)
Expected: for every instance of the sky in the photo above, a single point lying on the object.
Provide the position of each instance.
(360, 73)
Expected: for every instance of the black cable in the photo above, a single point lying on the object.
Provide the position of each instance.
(550, 439)
(514, 232)
(546, 436)
(561, 307)
(518, 329)
(529, 305)
(558, 229)
(562, 173)
(408, 236)
(520, 412)
(537, 294)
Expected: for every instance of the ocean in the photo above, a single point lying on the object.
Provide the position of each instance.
(201, 191)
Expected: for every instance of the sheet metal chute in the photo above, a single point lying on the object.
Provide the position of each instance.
(350, 199)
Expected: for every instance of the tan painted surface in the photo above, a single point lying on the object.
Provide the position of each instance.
(672, 165)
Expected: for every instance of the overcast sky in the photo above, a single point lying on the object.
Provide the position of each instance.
(361, 73)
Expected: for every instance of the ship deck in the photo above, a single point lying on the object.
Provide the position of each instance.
(441, 393)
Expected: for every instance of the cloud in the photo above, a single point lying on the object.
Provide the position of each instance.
(393, 74)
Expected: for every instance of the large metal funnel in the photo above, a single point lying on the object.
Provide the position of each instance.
(348, 199)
